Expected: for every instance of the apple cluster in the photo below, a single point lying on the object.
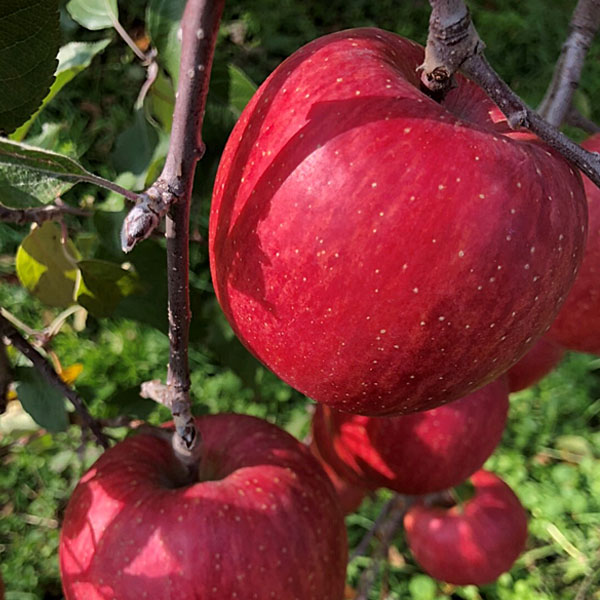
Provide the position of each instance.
(397, 258)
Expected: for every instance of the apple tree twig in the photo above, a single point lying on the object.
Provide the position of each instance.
(171, 195)
(576, 119)
(450, 21)
(583, 27)
(8, 331)
(39, 214)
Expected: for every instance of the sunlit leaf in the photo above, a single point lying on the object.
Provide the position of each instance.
(94, 14)
(47, 267)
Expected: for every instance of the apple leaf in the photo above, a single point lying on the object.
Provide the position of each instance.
(94, 14)
(241, 89)
(422, 587)
(44, 403)
(72, 59)
(163, 20)
(47, 267)
(103, 285)
(32, 176)
(29, 42)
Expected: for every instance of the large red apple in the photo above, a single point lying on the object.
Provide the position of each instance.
(472, 544)
(537, 363)
(379, 251)
(577, 326)
(262, 521)
(420, 453)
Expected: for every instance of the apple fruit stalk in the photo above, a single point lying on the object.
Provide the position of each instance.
(262, 521)
(473, 543)
(420, 453)
(577, 326)
(381, 252)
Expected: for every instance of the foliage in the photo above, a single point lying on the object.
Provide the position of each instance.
(116, 306)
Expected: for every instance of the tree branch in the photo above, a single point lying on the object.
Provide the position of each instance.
(576, 119)
(584, 26)
(445, 57)
(171, 195)
(52, 377)
(39, 214)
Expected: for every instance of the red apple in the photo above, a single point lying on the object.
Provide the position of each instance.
(415, 454)
(537, 363)
(379, 251)
(349, 494)
(472, 544)
(577, 326)
(262, 521)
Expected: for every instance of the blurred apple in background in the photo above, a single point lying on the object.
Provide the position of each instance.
(414, 454)
(471, 543)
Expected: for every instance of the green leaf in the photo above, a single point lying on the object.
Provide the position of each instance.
(135, 147)
(47, 267)
(29, 42)
(72, 59)
(103, 285)
(94, 14)
(422, 587)
(163, 20)
(241, 89)
(44, 403)
(162, 101)
(32, 176)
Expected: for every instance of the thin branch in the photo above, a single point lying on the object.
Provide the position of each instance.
(5, 377)
(576, 119)
(38, 214)
(443, 57)
(582, 30)
(171, 195)
(385, 530)
(199, 27)
(52, 377)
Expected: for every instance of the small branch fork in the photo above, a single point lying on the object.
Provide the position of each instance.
(453, 43)
(8, 332)
(170, 195)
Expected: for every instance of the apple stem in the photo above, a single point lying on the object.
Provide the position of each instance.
(12, 335)
(444, 56)
(583, 27)
(171, 195)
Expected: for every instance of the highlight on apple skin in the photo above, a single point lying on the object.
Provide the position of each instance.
(421, 453)
(472, 544)
(262, 519)
(381, 252)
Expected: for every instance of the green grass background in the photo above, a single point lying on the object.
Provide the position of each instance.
(550, 452)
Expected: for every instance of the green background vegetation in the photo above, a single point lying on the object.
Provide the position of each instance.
(550, 452)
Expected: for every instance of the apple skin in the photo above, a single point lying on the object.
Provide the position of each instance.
(421, 453)
(473, 545)
(380, 252)
(537, 363)
(263, 521)
(577, 326)
(350, 495)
